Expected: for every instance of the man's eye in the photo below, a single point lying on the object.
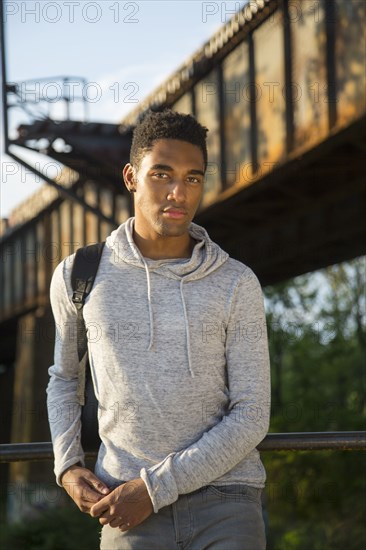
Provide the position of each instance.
(160, 174)
(192, 179)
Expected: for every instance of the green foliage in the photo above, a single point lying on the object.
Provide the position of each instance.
(63, 528)
(317, 340)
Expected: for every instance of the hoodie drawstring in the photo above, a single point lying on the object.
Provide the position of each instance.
(149, 301)
(207, 256)
(187, 329)
(152, 318)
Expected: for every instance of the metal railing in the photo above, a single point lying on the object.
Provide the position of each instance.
(292, 441)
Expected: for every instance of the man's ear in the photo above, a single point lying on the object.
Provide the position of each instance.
(129, 177)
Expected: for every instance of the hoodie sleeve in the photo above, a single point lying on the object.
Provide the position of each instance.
(247, 422)
(62, 405)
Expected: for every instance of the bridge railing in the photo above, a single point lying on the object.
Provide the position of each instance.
(292, 441)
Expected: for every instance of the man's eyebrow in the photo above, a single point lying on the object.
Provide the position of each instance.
(170, 169)
(198, 172)
(161, 167)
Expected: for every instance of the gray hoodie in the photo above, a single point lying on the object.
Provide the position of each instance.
(179, 359)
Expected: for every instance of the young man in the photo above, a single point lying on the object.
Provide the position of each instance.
(180, 364)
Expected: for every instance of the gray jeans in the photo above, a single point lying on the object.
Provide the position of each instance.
(216, 517)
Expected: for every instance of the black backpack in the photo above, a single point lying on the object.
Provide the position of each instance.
(83, 274)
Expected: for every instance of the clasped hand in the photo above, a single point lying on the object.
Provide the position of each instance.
(125, 507)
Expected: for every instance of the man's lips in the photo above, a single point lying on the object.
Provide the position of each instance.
(174, 212)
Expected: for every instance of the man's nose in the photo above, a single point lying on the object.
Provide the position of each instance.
(178, 190)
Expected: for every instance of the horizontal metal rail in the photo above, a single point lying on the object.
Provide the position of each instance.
(293, 441)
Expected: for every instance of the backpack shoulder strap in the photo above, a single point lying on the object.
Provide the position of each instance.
(84, 270)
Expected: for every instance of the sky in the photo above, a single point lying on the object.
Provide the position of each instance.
(124, 49)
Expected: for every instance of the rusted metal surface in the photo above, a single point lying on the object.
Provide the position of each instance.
(294, 441)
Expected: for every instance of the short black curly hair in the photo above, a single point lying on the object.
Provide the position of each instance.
(166, 124)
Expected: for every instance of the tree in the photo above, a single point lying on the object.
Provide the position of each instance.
(317, 334)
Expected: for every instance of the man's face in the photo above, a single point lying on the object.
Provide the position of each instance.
(170, 179)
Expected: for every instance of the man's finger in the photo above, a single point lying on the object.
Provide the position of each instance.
(100, 488)
(96, 483)
(89, 494)
(105, 520)
(99, 508)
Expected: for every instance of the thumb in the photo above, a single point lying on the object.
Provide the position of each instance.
(97, 484)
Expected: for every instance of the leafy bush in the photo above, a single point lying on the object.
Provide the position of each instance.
(63, 528)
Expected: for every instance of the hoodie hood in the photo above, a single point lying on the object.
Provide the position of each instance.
(206, 257)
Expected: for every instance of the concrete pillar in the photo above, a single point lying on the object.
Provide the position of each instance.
(32, 485)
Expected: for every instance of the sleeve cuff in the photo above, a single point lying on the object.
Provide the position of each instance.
(60, 471)
(160, 483)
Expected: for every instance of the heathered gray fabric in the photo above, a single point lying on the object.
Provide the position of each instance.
(179, 358)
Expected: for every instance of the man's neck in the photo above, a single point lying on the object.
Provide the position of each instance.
(153, 252)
